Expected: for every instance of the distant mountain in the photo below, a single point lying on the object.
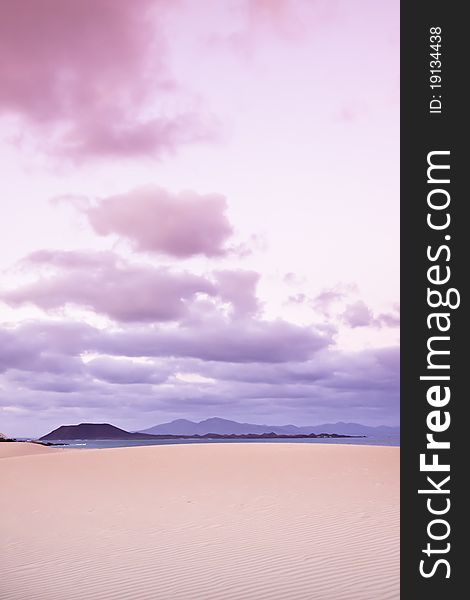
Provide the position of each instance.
(215, 425)
(225, 426)
(105, 431)
(92, 431)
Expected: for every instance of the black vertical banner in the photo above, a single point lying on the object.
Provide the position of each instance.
(435, 240)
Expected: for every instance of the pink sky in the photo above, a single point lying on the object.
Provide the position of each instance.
(200, 212)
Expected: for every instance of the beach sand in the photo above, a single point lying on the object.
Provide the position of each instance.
(253, 521)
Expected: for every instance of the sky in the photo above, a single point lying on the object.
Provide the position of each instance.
(199, 212)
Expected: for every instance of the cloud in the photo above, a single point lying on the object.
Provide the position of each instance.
(371, 369)
(23, 344)
(254, 23)
(108, 285)
(124, 371)
(341, 304)
(327, 300)
(155, 220)
(217, 339)
(130, 376)
(44, 347)
(328, 369)
(59, 383)
(239, 288)
(87, 76)
(325, 384)
(357, 314)
(389, 319)
(293, 279)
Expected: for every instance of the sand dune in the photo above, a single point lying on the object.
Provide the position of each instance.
(12, 449)
(201, 522)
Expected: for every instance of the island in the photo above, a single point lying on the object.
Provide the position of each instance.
(106, 431)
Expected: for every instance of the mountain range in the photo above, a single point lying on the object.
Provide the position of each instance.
(225, 426)
(214, 426)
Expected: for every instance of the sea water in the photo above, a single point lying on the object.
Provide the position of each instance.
(388, 440)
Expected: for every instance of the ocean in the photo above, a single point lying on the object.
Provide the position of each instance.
(389, 440)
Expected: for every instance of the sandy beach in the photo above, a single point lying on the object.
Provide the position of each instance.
(200, 522)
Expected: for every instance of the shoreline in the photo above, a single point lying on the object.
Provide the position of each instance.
(390, 442)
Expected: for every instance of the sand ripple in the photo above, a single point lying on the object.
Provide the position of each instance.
(201, 522)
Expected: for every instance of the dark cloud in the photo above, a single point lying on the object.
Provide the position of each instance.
(251, 368)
